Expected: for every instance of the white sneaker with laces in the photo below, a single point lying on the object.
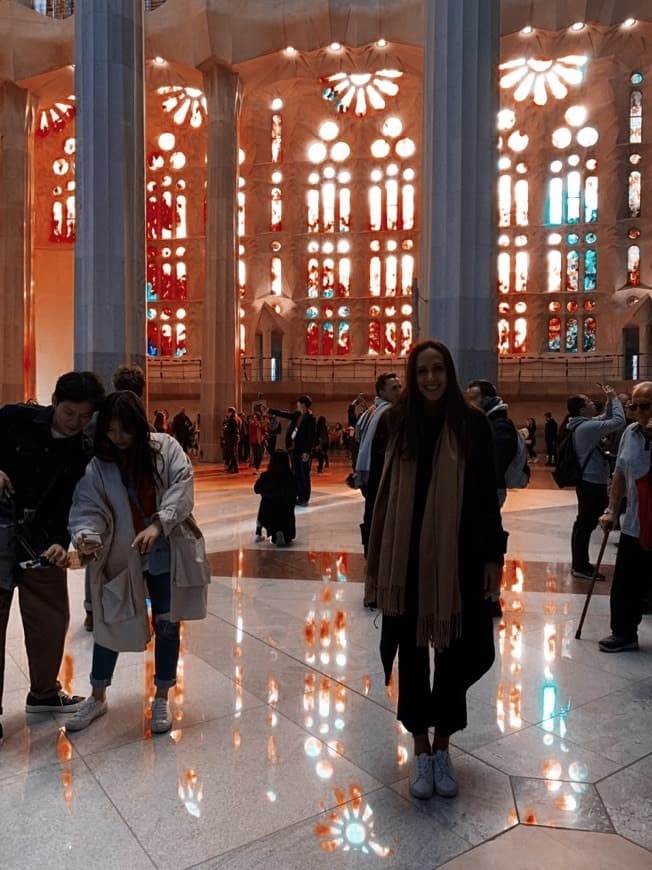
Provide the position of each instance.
(87, 712)
(421, 782)
(161, 716)
(444, 774)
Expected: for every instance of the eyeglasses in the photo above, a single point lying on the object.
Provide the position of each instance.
(639, 406)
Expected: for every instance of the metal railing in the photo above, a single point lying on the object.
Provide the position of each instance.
(170, 369)
(323, 370)
(605, 369)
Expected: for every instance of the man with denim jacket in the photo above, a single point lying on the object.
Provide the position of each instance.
(42, 456)
(588, 430)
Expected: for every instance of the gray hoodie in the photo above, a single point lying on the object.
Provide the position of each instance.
(589, 432)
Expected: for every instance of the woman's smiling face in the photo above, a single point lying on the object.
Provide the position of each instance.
(431, 374)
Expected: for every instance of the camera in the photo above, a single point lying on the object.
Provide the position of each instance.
(39, 562)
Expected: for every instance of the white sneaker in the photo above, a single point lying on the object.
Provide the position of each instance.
(87, 711)
(444, 774)
(161, 716)
(421, 783)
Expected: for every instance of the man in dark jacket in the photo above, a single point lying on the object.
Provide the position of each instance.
(550, 431)
(483, 395)
(42, 456)
(299, 441)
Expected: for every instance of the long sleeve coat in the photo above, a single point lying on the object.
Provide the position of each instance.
(101, 507)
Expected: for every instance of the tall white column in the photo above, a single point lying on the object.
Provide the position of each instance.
(16, 311)
(220, 375)
(458, 255)
(110, 245)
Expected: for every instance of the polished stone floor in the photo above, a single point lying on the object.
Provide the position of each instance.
(285, 747)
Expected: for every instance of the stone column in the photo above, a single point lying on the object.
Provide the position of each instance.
(16, 315)
(220, 373)
(457, 279)
(110, 175)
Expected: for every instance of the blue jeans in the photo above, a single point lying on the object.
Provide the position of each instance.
(166, 643)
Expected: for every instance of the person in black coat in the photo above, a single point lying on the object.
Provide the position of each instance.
(278, 494)
(550, 430)
(43, 454)
(300, 441)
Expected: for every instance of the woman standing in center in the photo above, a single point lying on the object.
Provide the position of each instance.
(131, 521)
(435, 556)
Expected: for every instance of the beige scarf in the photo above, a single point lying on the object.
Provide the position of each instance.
(439, 601)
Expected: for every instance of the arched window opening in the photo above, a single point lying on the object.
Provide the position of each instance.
(554, 334)
(636, 116)
(634, 266)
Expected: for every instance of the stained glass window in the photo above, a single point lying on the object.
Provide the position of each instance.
(589, 337)
(590, 269)
(571, 335)
(277, 138)
(572, 271)
(634, 265)
(554, 334)
(554, 271)
(634, 193)
(636, 116)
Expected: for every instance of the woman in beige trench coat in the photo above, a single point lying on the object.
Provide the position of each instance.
(132, 524)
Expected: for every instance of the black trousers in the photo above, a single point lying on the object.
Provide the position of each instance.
(301, 471)
(592, 499)
(632, 578)
(443, 705)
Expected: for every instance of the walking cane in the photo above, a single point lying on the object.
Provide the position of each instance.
(578, 633)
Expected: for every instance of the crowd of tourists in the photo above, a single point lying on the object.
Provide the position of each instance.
(434, 463)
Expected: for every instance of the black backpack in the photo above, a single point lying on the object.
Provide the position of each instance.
(569, 471)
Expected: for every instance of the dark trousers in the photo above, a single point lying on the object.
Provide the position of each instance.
(230, 457)
(301, 471)
(166, 644)
(257, 454)
(456, 670)
(551, 453)
(322, 459)
(632, 578)
(43, 602)
(592, 499)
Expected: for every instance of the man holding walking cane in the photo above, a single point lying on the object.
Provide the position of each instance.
(633, 478)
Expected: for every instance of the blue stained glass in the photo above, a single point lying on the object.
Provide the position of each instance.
(571, 335)
(344, 311)
(180, 351)
(572, 239)
(152, 350)
(555, 201)
(328, 293)
(151, 296)
(588, 340)
(151, 313)
(312, 312)
(590, 269)
(636, 78)
(590, 238)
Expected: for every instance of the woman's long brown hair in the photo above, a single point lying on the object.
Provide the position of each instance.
(140, 459)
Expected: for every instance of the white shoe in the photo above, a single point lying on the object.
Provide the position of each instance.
(161, 716)
(444, 774)
(421, 782)
(87, 711)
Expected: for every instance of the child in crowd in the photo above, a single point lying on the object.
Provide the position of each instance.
(278, 495)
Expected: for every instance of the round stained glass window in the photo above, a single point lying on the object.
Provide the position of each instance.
(521, 168)
(574, 159)
(380, 148)
(392, 127)
(317, 152)
(374, 245)
(409, 174)
(69, 146)
(328, 311)
(151, 313)
(520, 241)
(554, 306)
(406, 310)
(407, 244)
(518, 141)
(590, 238)
(329, 131)
(575, 116)
(503, 241)
(405, 148)
(504, 162)
(340, 151)
(587, 137)
(635, 158)
(506, 119)
(57, 191)
(520, 307)
(374, 310)
(591, 164)
(390, 311)
(276, 246)
(633, 233)
(60, 166)
(562, 137)
(503, 307)
(554, 239)
(636, 78)
(589, 305)
(572, 239)
(556, 166)
(632, 300)
(178, 160)
(166, 141)
(312, 312)
(344, 311)
(571, 307)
